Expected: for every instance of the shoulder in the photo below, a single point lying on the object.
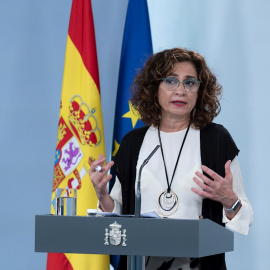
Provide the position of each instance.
(136, 134)
(131, 142)
(217, 132)
(218, 135)
(216, 129)
(128, 152)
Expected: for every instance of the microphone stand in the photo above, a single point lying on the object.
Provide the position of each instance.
(138, 193)
(135, 262)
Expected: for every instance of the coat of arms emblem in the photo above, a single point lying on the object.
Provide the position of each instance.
(115, 235)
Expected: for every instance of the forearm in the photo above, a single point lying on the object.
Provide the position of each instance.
(240, 220)
(106, 203)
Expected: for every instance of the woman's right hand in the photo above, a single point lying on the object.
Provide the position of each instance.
(100, 180)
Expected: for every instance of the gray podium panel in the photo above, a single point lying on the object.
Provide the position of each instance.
(145, 236)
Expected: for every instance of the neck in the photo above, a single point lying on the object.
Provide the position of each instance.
(173, 125)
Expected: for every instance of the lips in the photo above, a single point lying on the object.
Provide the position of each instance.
(179, 102)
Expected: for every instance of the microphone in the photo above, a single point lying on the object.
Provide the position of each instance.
(138, 193)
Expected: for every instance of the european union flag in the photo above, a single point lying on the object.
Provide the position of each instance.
(136, 48)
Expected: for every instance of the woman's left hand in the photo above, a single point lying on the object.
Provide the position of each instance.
(221, 189)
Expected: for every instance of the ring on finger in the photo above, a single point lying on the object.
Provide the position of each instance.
(98, 168)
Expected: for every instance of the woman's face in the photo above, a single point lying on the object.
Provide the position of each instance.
(179, 103)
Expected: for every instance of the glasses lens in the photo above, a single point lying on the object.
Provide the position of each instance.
(191, 85)
(171, 83)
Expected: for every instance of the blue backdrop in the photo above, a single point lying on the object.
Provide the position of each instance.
(232, 35)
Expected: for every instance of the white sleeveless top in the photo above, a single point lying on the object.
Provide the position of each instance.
(153, 178)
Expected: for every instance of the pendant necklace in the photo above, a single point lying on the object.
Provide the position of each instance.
(167, 202)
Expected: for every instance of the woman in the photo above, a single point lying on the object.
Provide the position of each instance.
(195, 173)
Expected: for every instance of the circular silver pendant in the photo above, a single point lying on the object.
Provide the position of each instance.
(167, 203)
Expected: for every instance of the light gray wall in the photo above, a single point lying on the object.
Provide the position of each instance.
(232, 35)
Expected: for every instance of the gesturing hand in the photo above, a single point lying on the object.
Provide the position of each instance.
(100, 178)
(221, 189)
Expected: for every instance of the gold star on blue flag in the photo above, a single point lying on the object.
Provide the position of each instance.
(132, 114)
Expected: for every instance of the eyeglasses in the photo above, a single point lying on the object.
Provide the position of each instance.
(171, 83)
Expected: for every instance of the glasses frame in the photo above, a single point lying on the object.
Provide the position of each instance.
(183, 82)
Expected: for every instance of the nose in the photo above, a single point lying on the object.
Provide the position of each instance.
(180, 89)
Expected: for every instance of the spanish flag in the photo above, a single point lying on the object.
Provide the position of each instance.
(80, 136)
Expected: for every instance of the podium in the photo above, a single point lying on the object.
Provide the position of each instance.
(130, 236)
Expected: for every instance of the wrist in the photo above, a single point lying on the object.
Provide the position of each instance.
(103, 195)
(106, 203)
(229, 201)
(234, 208)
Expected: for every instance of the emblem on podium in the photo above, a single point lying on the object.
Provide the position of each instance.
(115, 235)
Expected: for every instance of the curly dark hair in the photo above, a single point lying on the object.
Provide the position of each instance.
(146, 83)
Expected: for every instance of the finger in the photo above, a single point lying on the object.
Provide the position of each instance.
(107, 166)
(104, 169)
(204, 178)
(100, 156)
(202, 185)
(101, 159)
(99, 162)
(101, 187)
(98, 177)
(211, 173)
(105, 180)
(201, 193)
(228, 173)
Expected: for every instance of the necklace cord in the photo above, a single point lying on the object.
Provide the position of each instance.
(167, 178)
